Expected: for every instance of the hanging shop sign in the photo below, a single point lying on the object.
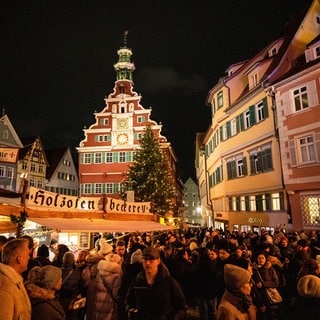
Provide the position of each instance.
(118, 206)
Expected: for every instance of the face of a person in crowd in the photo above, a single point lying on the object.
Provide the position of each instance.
(261, 259)
(120, 250)
(212, 254)
(150, 266)
(284, 243)
(223, 254)
(238, 252)
(82, 256)
(23, 257)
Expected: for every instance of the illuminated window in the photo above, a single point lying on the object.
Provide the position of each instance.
(252, 202)
(300, 98)
(276, 202)
(311, 209)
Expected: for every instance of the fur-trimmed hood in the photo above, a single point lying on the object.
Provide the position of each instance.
(35, 291)
(111, 264)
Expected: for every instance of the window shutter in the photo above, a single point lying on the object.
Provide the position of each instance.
(128, 156)
(242, 128)
(259, 202)
(252, 112)
(230, 203)
(265, 108)
(229, 170)
(281, 201)
(238, 203)
(228, 124)
(115, 157)
(312, 94)
(252, 165)
(268, 201)
(293, 154)
(245, 168)
(247, 202)
(221, 133)
(238, 124)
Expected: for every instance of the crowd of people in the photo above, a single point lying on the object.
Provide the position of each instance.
(158, 276)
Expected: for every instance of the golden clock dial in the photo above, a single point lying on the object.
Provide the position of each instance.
(122, 139)
(122, 123)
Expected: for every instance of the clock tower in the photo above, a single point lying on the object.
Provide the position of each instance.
(107, 149)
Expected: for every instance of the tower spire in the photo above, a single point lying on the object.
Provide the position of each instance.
(124, 67)
(125, 35)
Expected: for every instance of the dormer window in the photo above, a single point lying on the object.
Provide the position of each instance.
(253, 80)
(272, 52)
(313, 52)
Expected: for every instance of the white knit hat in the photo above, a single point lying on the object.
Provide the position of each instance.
(309, 286)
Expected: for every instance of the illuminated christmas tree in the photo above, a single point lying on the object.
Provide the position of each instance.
(148, 176)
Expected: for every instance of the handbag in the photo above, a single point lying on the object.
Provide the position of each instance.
(272, 294)
(77, 303)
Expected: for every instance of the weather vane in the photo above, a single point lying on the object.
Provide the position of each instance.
(125, 34)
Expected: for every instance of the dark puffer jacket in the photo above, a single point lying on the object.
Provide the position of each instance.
(164, 300)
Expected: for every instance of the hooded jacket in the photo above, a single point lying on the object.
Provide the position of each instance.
(43, 302)
(14, 300)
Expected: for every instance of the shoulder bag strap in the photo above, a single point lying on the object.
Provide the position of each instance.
(67, 277)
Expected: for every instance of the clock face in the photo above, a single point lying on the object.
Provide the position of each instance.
(122, 123)
(122, 139)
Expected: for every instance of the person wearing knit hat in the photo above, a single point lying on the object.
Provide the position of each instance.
(105, 247)
(309, 286)
(136, 256)
(41, 285)
(236, 302)
(307, 303)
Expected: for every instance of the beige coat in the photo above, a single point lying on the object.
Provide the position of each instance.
(232, 308)
(14, 300)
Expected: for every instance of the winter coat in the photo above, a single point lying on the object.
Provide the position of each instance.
(163, 300)
(204, 278)
(270, 280)
(71, 288)
(14, 300)
(44, 304)
(232, 307)
(105, 308)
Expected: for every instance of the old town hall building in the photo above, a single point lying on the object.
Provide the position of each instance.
(108, 146)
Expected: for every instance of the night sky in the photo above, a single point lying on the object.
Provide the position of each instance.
(56, 60)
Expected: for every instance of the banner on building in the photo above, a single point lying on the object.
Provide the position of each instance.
(121, 206)
(9, 155)
(43, 199)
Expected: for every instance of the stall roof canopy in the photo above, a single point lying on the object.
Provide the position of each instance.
(99, 225)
